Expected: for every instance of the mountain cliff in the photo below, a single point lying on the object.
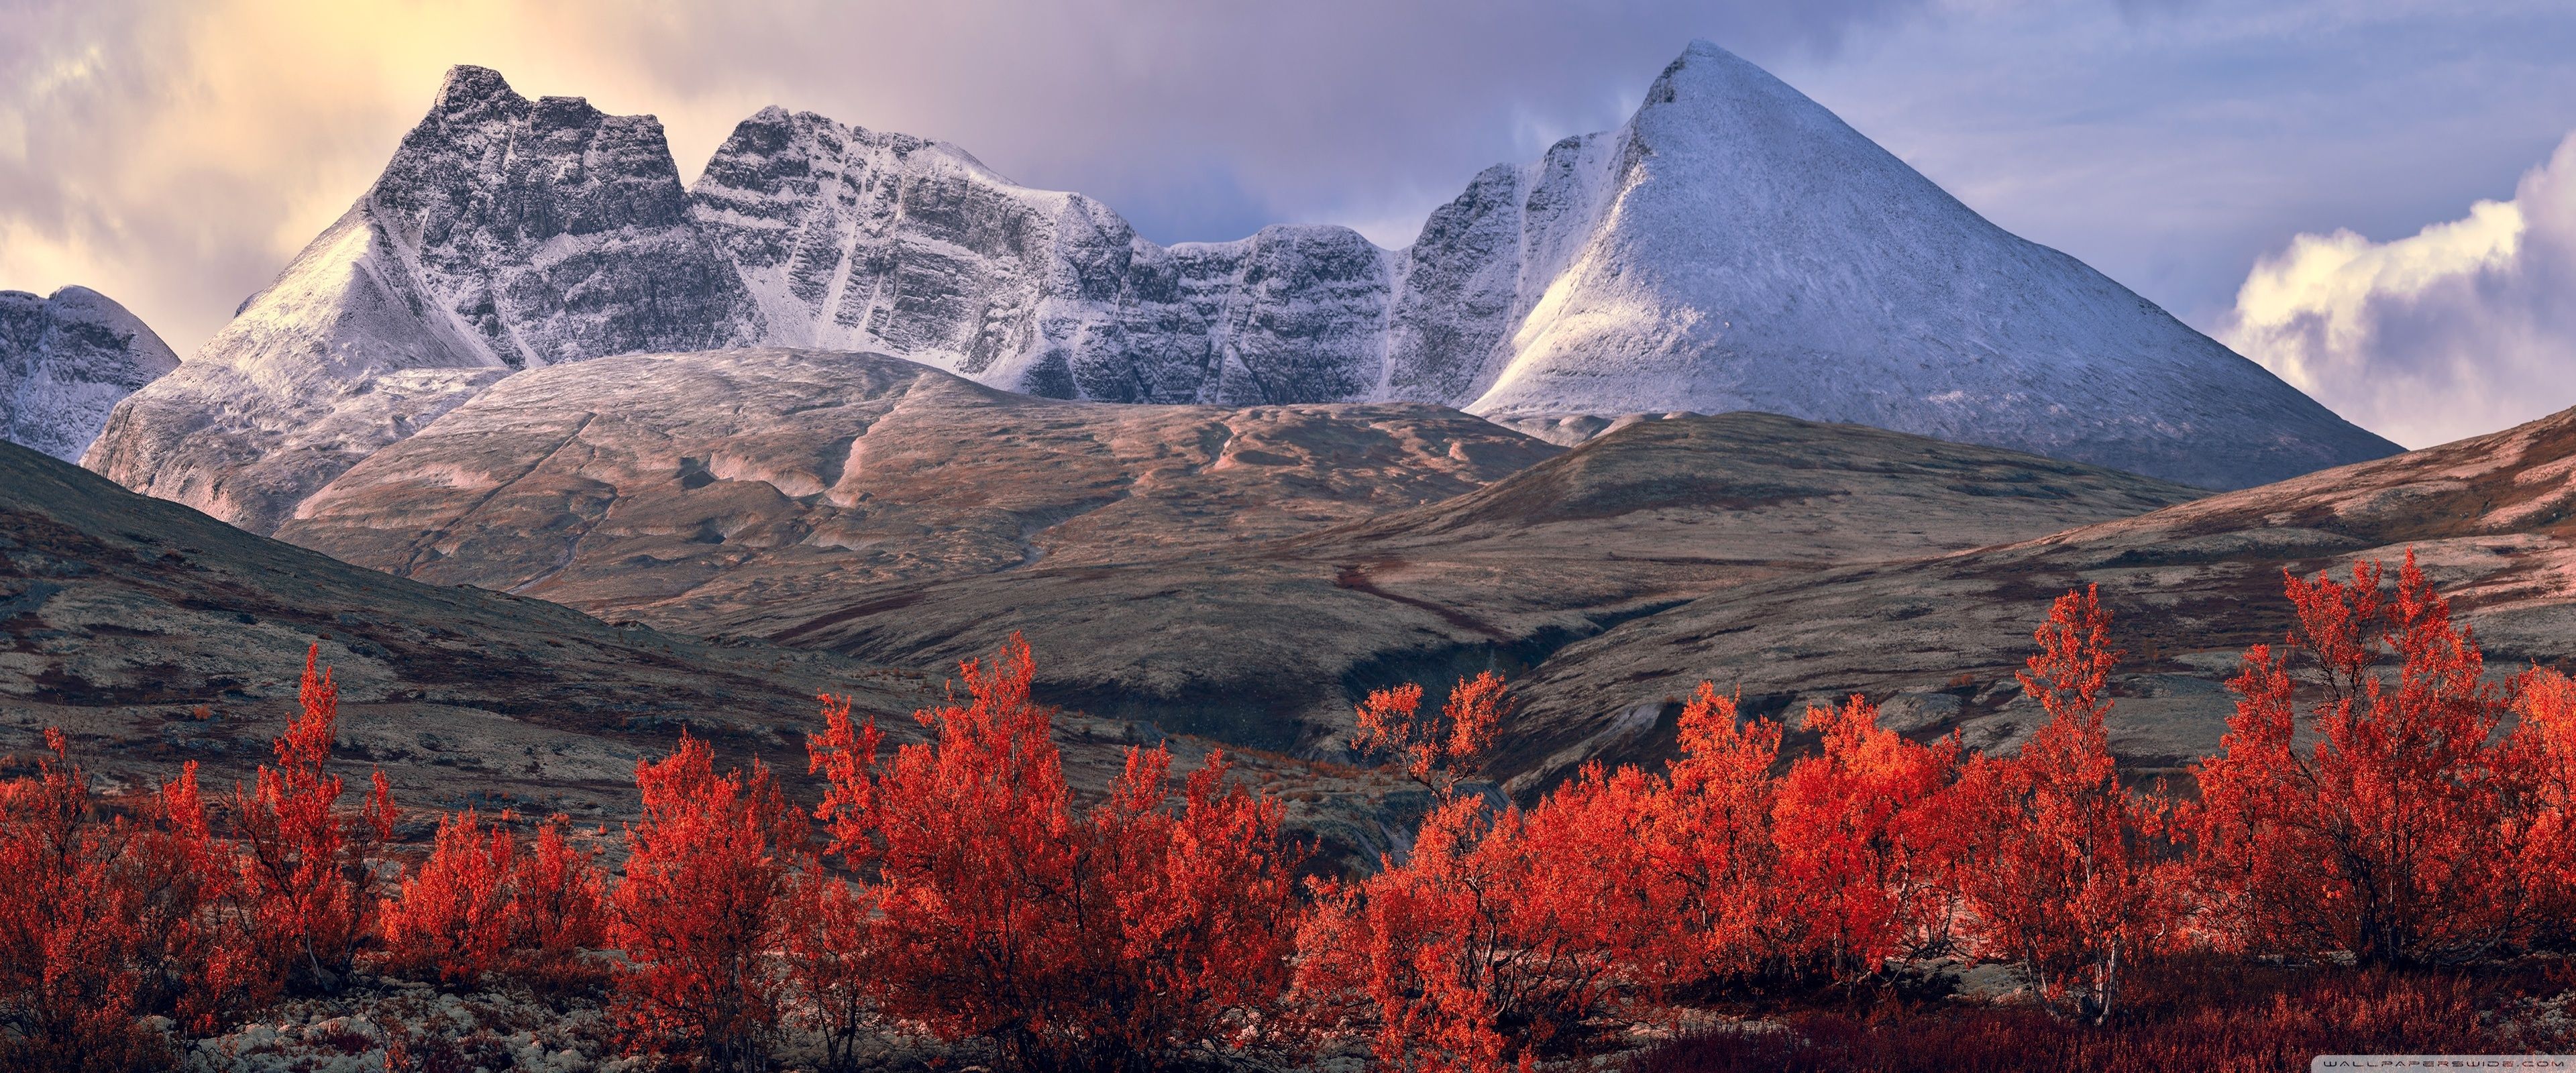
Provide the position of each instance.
(65, 361)
(505, 234)
(1734, 246)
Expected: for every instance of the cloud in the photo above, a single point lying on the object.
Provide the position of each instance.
(2463, 328)
(175, 153)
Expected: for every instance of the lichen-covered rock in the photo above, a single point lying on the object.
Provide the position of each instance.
(65, 361)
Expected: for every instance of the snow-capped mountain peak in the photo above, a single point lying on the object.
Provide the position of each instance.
(1734, 246)
(65, 361)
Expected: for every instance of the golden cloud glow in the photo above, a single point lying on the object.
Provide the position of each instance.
(2465, 327)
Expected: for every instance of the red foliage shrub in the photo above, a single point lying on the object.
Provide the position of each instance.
(558, 908)
(1713, 851)
(1127, 935)
(1435, 750)
(2395, 836)
(707, 874)
(1865, 839)
(830, 955)
(2545, 742)
(305, 888)
(481, 902)
(68, 995)
(1413, 949)
(451, 919)
(102, 922)
(2059, 872)
(1496, 936)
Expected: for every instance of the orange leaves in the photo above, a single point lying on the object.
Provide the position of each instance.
(1435, 751)
(102, 921)
(1125, 934)
(2364, 801)
(558, 908)
(1415, 949)
(69, 991)
(708, 869)
(452, 919)
(483, 902)
(1864, 843)
(306, 888)
(1387, 721)
(2382, 837)
(1709, 841)
(2059, 870)
(2545, 743)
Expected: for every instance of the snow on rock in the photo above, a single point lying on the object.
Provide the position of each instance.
(65, 361)
(1752, 252)
(858, 240)
(505, 234)
(1734, 246)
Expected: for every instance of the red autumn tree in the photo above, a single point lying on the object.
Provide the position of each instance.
(451, 918)
(558, 908)
(2545, 742)
(483, 902)
(305, 892)
(830, 954)
(1714, 858)
(67, 994)
(102, 921)
(2059, 871)
(1496, 936)
(2383, 838)
(831, 944)
(1436, 750)
(708, 871)
(1864, 844)
(1131, 934)
(1413, 951)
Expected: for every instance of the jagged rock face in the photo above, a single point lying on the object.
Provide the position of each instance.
(552, 232)
(695, 489)
(859, 240)
(65, 361)
(1733, 247)
(505, 234)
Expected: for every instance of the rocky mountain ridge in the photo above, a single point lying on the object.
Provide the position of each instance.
(66, 360)
(1734, 246)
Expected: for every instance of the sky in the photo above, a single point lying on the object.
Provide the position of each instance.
(2374, 198)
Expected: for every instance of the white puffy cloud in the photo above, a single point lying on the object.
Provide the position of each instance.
(2463, 328)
